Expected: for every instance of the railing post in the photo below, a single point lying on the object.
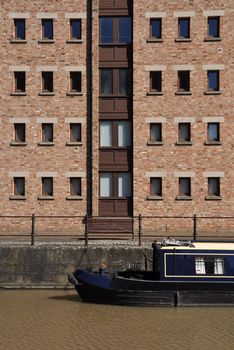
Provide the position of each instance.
(133, 228)
(140, 229)
(194, 227)
(33, 229)
(86, 231)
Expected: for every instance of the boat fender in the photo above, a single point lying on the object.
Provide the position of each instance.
(72, 279)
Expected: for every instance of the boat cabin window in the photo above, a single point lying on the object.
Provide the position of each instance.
(209, 265)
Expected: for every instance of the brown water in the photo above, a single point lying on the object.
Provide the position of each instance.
(59, 320)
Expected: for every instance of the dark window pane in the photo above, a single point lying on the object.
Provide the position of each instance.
(75, 186)
(106, 30)
(184, 27)
(156, 186)
(106, 82)
(47, 132)
(19, 132)
(75, 132)
(47, 29)
(184, 132)
(214, 186)
(75, 25)
(156, 28)
(47, 82)
(75, 79)
(213, 132)
(213, 80)
(125, 30)
(156, 81)
(185, 186)
(47, 186)
(124, 82)
(213, 27)
(184, 81)
(20, 81)
(156, 132)
(19, 186)
(20, 29)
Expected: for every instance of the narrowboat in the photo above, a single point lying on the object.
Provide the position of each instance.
(183, 274)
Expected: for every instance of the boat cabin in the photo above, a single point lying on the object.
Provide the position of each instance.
(195, 261)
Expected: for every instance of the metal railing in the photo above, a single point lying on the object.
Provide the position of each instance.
(140, 228)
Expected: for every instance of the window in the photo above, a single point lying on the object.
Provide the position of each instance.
(213, 186)
(19, 186)
(47, 132)
(209, 265)
(75, 132)
(75, 82)
(213, 132)
(75, 29)
(116, 185)
(156, 81)
(156, 132)
(75, 186)
(115, 30)
(19, 82)
(184, 28)
(47, 82)
(47, 186)
(19, 29)
(156, 186)
(19, 132)
(183, 81)
(185, 187)
(184, 132)
(115, 133)
(47, 29)
(115, 82)
(213, 80)
(156, 28)
(213, 27)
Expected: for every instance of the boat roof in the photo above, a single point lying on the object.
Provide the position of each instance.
(202, 246)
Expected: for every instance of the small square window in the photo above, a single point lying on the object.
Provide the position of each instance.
(47, 82)
(20, 33)
(47, 29)
(75, 29)
(19, 186)
(19, 82)
(213, 186)
(156, 28)
(155, 132)
(75, 82)
(156, 81)
(184, 28)
(156, 186)
(47, 186)
(47, 132)
(19, 132)
(75, 132)
(185, 187)
(213, 27)
(213, 80)
(75, 186)
(184, 81)
(213, 132)
(184, 132)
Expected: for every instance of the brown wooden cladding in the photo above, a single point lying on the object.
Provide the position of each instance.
(115, 107)
(115, 7)
(115, 207)
(114, 56)
(115, 159)
(112, 225)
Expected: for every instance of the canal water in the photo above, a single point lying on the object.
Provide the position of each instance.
(58, 320)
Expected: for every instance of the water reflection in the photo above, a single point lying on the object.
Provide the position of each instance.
(60, 320)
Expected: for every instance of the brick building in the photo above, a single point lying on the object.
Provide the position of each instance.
(115, 108)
